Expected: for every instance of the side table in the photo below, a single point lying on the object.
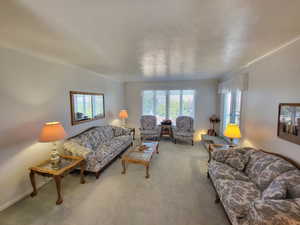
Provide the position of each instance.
(166, 130)
(67, 164)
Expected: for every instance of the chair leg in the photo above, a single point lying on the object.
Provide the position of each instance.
(174, 141)
(192, 142)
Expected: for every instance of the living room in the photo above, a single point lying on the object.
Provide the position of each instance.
(142, 64)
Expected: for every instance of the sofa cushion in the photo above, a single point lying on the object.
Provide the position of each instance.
(233, 158)
(106, 131)
(275, 212)
(150, 132)
(292, 181)
(273, 170)
(237, 160)
(259, 166)
(253, 157)
(220, 155)
(219, 170)
(237, 195)
(276, 190)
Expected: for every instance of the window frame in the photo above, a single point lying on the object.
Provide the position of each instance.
(167, 91)
(233, 112)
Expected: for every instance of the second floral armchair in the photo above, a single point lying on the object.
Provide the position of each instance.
(184, 129)
(149, 128)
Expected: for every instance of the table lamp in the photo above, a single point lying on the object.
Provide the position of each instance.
(123, 115)
(53, 132)
(232, 131)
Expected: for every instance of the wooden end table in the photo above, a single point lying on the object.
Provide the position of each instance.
(141, 157)
(166, 130)
(67, 164)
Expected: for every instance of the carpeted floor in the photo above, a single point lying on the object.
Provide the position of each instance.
(177, 193)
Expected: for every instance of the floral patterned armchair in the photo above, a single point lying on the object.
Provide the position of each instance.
(149, 128)
(184, 129)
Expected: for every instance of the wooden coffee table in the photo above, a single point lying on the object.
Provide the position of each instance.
(141, 157)
(67, 164)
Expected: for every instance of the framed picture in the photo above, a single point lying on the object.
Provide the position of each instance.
(289, 122)
(86, 106)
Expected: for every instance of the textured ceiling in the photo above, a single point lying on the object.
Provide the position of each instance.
(150, 40)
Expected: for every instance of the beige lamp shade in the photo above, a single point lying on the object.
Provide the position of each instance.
(123, 114)
(232, 131)
(53, 131)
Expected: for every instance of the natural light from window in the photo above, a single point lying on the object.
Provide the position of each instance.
(168, 104)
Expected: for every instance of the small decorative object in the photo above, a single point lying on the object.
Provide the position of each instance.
(166, 122)
(232, 131)
(53, 132)
(143, 148)
(123, 115)
(86, 106)
(289, 122)
(213, 121)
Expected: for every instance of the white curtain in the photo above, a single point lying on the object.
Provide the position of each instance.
(239, 82)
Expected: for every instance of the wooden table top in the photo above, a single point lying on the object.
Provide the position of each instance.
(67, 162)
(144, 155)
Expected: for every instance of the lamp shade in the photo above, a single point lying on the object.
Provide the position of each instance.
(123, 114)
(232, 131)
(53, 131)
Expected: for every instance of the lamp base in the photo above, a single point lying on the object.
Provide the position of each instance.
(123, 123)
(54, 159)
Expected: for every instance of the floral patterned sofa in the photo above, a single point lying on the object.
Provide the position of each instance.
(99, 146)
(255, 187)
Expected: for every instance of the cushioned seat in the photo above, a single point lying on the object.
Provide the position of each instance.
(149, 128)
(149, 132)
(219, 170)
(184, 129)
(237, 196)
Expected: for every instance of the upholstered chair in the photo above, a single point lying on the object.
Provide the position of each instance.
(184, 129)
(149, 128)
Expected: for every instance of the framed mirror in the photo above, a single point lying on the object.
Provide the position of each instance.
(86, 106)
(289, 122)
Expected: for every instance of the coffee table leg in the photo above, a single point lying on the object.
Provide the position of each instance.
(32, 180)
(58, 187)
(147, 171)
(82, 169)
(124, 166)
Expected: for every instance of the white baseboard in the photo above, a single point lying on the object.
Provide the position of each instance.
(21, 196)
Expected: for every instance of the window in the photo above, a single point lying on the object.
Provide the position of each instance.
(231, 108)
(168, 104)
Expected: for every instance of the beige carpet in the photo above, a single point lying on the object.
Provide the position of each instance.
(177, 193)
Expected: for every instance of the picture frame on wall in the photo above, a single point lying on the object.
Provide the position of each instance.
(289, 122)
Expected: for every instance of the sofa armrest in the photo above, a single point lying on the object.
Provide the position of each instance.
(74, 149)
(270, 212)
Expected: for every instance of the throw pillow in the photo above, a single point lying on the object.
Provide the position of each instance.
(75, 149)
(237, 160)
(276, 190)
(220, 155)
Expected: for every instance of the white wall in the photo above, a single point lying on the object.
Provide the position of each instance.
(32, 92)
(206, 99)
(272, 80)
